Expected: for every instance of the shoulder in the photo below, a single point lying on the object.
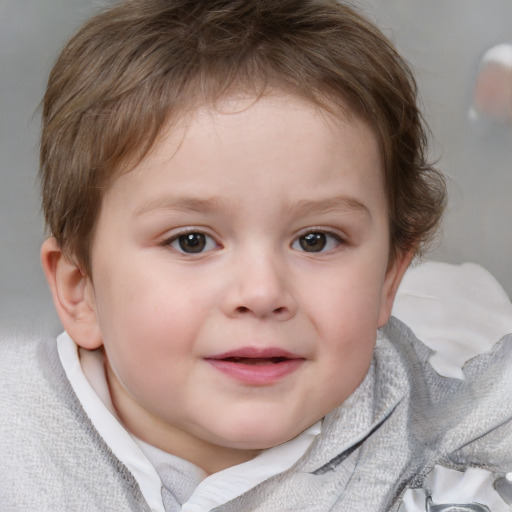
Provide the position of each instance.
(34, 399)
(23, 360)
(33, 380)
(52, 457)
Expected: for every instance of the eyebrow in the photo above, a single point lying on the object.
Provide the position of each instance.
(183, 203)
(343, 204)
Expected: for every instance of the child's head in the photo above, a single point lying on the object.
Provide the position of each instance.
(235, 188)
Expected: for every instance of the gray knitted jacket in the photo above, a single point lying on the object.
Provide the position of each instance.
(403, 420)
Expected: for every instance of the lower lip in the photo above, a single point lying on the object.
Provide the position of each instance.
(257, 374)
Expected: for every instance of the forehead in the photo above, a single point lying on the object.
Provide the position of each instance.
(239, 100)
(265, 143)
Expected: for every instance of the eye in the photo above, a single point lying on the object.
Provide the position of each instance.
(317, 241)
(193, 242)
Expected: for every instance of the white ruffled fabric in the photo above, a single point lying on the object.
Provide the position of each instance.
(450, 487)
(458, 311)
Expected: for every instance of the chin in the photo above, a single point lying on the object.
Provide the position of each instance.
(260, 436)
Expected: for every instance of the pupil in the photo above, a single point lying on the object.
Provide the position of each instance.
(192, 242)
(313, 242)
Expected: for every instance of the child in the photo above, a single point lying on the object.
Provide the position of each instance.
(234, 190)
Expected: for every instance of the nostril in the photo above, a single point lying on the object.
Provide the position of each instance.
(276, 311)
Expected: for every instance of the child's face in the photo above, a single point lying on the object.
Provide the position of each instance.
(239, 274)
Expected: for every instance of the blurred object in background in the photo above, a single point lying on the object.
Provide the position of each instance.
(493, 89)
(445, 42)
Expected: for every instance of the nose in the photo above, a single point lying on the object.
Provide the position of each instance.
(259, 286)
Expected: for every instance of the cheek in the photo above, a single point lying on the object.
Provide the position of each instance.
(149, 352)
(134, 326)
(150, 327)
(346, 317)
(349, 298)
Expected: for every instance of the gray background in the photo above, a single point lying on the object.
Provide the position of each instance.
(443, 40)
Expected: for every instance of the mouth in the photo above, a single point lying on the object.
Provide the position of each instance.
(256, 361)
(258, 367)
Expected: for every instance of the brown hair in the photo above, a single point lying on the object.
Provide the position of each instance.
(143, 63)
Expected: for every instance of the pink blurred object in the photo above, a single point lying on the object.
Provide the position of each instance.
(492, 96)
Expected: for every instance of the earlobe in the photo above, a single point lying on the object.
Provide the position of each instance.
(394, 274)
(73, 295)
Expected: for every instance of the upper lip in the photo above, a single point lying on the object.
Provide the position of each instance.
(256, 353)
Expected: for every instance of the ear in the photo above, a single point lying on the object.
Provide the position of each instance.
(396, 270)
(73, 296)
